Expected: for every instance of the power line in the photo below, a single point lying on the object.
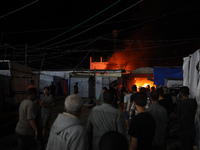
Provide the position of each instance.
(112, 22)
(95, 25)
(78, 24)
(18, 9)
(82, 60)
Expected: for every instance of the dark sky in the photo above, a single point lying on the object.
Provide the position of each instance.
(68, 32)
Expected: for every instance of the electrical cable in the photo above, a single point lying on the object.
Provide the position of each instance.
(18, 9)
(78, 24)
(82, 60)
(154, 19)
(96, 24)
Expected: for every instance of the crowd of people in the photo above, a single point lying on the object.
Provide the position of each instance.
(34, 116)
(144, 114)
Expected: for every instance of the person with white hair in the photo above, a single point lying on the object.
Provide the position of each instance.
(67, 131)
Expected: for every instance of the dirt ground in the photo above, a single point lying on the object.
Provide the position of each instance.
(8, 139)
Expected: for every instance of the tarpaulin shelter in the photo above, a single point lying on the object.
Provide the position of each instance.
(161, 73)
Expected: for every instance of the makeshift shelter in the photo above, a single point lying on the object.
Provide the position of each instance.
(162, 73)
(85, 85)
(58, 77)
(141, 77)
(104, 80)
(191, 74)
(191, 79)
(15, 78)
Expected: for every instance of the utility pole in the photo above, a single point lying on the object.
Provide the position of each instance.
(25, 54)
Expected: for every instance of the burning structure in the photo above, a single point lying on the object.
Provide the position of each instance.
(131, 75)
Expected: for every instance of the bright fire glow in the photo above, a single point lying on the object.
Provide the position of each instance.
(140, 82)
(143, 82)
(145, 85)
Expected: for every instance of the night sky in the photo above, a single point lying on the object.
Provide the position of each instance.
(66, 33)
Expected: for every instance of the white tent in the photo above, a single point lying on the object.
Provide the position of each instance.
(191, 78)
(191, 74)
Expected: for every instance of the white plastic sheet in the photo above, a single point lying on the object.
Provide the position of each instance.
(186, 62)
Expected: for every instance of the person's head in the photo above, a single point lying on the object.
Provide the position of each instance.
(76, 83)
(140, 99)
(148, 86)
(115, 85)
(154, 96)
(134, 88)
(113, 140)
(184, 92)
(32, 82)
(52, 83)
(46, 90)
(74, 105)
(125, 92)
(165, 90)
(160, 92)
(108, 97)
(32, 93)
(153, 88)
(104, 89)
(143, 90)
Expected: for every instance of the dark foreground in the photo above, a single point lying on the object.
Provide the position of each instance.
(8, 139)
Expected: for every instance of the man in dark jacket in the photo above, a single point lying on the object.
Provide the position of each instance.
(186, 114)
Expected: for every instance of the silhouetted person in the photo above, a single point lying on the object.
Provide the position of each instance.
(26, 128)
(113, 89)
(113, 140)
(76, 88)
(162, 101)
(102, 119)
(153, 89)
(52, 88)
(169, 100)
(31, 85)
(46, 103)
(123, 88)
(142, 127)
(132, 109)
(99, 99)
(159, 114)
(186, 113)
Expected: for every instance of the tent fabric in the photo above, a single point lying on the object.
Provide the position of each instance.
(193, 74)
(186, 63)
(160, 73)
(191, 79)
(143, 70)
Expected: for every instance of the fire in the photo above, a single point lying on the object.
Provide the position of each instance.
(145, 85)
(140, 82)
(143, 82)
(121, 60)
